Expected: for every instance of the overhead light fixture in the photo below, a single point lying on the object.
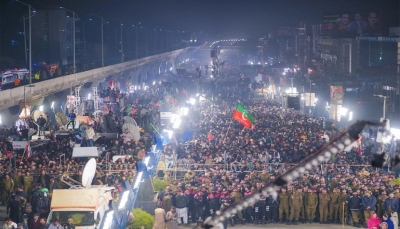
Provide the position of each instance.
(177, 123)
(343, 111)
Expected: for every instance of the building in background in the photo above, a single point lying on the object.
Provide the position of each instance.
(52, 37)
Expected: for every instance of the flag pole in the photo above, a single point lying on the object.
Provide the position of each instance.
(151, 124)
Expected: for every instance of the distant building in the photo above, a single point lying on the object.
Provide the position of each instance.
(52, 37)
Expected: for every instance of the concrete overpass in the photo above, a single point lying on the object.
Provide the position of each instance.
(141, 70)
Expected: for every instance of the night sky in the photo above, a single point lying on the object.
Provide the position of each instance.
(228, 18)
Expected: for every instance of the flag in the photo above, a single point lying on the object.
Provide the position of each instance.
(28, 150)
(243, 116)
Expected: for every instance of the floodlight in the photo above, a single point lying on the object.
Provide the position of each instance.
(154, 82)
(41, 108)
(395, 132)
(343, 111)
(350, 116)
(177, 123)
(192, 101)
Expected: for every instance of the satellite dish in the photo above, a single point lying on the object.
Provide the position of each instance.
(36, 114)
(143, 112)
(88, 173)
(134, 130)
(130, 120)
(61, 119)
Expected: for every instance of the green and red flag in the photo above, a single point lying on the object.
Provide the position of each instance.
(243, 116)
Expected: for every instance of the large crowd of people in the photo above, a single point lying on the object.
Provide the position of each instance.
(218, 165)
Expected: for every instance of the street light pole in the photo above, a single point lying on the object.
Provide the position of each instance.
(30, 15)
(309, 108)
(74, 18)
(30, 45)
(384, 104)
(102, 42)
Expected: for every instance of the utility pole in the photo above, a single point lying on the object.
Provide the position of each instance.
(75, 18)
(384, 104)
(309, 108)
(30, 15)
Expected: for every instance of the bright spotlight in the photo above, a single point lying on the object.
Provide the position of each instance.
(184, 111)
(90, 95)
(169, 132)
(41, 108)
(177, 123)
(350, 116)
(192, 101)
(343, 111)
(395, 132)
(154, 82)
(197, 95)
(52, 105)
(284, 73)
(170, 68)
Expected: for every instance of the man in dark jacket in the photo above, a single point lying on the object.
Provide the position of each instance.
(35, 222)
(14, 209)
(391, 204)
(181, 203)
(354, 202)
(369, 205)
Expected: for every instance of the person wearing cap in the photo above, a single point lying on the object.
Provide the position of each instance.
(311, 202)
(343, 206)
(7, 188)
(369, 205)
(70, 224)
(334, 206)
(323, 201)
(295, 203)
(354, 202)
(283, 205)
(380, 210)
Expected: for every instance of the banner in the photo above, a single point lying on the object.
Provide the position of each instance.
(336, 94)
(70, 100)
(310, 99)
(334, 112)
(352, 23)
(19, 144)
